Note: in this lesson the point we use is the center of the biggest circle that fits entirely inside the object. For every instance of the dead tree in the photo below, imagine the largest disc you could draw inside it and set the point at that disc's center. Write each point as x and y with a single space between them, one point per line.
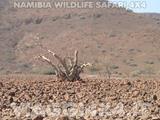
68 67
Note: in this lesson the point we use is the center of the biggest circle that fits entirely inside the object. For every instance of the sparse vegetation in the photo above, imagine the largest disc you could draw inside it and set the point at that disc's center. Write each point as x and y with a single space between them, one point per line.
137 73
123 47
43 70
114 67
108 71
149 70
68 69
8 56
149 62
94 69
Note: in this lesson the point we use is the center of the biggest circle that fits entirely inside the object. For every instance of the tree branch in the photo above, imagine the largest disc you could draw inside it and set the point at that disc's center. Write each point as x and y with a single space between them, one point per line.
48 61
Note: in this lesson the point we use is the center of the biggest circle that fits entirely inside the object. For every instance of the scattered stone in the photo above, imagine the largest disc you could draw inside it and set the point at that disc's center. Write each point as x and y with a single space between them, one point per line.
135 94
44 99
39 118
63 118
155 97
66 97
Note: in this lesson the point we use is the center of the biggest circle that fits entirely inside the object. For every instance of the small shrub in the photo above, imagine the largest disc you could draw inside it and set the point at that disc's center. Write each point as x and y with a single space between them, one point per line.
149 62
94 70
9 56
38 20
43 70
113 67
67 16
137 73
149 70
55 18
109 71
97 15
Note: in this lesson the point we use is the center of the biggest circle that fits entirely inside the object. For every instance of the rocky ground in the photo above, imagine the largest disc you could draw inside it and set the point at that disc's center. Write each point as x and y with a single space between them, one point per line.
45 98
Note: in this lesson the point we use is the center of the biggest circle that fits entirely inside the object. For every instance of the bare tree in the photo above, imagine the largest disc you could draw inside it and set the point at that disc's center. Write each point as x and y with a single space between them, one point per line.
68 67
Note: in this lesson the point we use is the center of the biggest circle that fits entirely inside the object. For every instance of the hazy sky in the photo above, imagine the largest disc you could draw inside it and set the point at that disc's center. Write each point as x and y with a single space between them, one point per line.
151 5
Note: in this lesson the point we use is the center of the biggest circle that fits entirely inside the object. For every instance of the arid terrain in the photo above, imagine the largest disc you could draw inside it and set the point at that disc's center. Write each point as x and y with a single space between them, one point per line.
115 41
127 42
44 98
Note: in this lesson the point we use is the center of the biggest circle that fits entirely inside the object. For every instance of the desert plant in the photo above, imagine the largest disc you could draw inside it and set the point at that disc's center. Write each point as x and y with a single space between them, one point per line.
108 71
68 67
47 70
94 69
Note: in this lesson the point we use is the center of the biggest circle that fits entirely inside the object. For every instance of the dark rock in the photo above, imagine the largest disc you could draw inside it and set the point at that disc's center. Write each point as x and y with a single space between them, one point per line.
155 97
39 118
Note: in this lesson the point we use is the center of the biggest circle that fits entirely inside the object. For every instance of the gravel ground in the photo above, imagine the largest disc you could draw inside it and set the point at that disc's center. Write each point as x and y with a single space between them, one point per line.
45 98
